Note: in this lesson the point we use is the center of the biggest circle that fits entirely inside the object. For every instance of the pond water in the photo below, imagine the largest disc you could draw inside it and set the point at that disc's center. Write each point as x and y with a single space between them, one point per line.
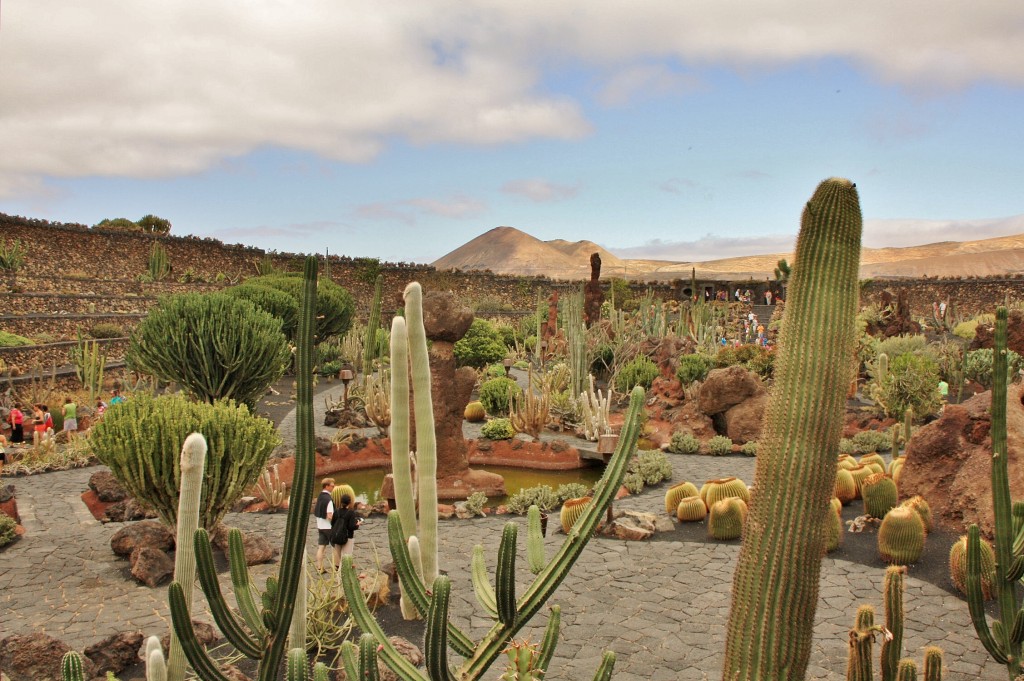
367 482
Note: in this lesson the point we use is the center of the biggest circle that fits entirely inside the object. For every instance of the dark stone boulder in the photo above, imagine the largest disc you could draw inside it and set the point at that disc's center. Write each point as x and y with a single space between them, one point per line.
257 548
725 388
151 566
145 533
36 657
106 487
116 653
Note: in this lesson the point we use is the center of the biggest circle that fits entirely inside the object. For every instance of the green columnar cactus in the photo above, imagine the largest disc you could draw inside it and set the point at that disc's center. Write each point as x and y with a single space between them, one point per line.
691 509
901 536
677 493
512 612
576 340
297 633
879 493
264 642
535 555
71 667
156 665
892 645
89 364
726 518
1003 640
833 530
883 368
894 446
159 266
932 664
906 671
908 424
958 567
370 348
193 462
859 663
775 587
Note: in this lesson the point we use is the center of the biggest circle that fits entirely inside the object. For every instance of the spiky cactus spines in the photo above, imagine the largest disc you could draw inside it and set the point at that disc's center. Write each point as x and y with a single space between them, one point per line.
691 509
860 472
715 490
71 667
156 665
263 640
846 461
775 587
918 503
894 468
571 511
474 412
370 348
1003 640
846 488
677 493
873 457
958 567
879 494
892 644
933 663
833 528
193 462
901 536
859 658
726 517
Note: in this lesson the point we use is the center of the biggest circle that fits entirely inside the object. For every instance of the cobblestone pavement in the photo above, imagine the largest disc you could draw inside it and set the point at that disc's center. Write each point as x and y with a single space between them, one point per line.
660 605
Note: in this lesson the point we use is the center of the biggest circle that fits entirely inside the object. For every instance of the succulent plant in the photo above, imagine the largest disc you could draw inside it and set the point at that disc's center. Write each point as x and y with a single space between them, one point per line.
879 494
833 529
474 412
677 493
901 536
918 503
859 473
848 462
571 511
958 567
726 517
846 488
691 509
873 457
716 490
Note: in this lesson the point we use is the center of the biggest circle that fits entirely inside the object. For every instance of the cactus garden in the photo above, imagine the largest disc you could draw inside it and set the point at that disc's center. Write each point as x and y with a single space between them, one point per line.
768 500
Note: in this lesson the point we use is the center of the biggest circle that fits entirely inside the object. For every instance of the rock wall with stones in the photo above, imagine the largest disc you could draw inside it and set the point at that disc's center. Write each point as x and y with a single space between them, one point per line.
963 297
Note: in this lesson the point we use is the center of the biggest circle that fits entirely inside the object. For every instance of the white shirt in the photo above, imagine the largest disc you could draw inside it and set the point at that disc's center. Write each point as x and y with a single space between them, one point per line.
324 523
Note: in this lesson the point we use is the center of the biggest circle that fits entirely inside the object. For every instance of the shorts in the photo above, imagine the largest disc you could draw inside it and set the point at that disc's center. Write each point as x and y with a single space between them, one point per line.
70 424
323 537
3 457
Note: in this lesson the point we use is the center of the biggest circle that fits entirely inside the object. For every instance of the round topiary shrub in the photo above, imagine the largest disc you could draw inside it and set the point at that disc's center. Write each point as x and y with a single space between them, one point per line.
684 443
719 445
141 442
694 368
638 371
481 345
498 429
495 395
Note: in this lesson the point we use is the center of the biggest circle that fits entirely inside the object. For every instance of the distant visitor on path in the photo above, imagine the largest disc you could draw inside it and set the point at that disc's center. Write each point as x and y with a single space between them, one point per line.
17 419
324 512
70 416
767 297
116 397
343 529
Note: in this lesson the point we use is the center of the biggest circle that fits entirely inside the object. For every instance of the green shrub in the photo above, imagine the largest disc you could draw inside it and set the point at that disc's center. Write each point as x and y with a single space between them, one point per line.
868 441
604 357
140 440
508 335
330 368
475 503
13 340
496 370
494 395
638 371
894 346
481 345
749 448
541 496
966 330
693 368
846 446
498 429
282 305
912 383
571 490
756 358
329 351
7 527
12 256
214 345
684 443
633 482
652 465
719 445
106 330
978 366
335 309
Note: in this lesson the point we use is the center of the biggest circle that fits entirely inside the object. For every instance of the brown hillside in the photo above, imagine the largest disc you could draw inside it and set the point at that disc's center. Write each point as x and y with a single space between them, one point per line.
507 250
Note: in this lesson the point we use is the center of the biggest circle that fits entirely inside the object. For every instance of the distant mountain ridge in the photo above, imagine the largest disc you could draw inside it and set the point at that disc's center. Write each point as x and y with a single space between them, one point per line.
507 250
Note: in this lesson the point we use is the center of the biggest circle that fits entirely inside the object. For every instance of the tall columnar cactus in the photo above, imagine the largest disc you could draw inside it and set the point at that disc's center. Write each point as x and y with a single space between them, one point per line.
908 425
193 463
89 364
158 266
576 340
1003 640
370 346
775 587
882 368
71 667
510 611
595 408
262 634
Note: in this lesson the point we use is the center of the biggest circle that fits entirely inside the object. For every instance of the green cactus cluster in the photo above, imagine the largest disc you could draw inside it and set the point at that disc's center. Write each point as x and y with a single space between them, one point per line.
846 487
677 493
158 267
726 518
714 491
90 362
691 509
370 345
1004 637
860 657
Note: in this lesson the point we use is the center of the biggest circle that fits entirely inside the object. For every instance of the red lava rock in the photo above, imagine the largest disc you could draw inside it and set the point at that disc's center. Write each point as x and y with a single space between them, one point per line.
96 507
10 508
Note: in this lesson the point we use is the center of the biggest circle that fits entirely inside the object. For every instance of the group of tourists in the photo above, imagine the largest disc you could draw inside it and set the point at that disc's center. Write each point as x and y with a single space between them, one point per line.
336 523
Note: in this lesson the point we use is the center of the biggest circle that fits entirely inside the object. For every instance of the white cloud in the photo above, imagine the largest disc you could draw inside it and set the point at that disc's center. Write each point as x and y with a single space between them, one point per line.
708 247
898 233
539 190
407 210
156 89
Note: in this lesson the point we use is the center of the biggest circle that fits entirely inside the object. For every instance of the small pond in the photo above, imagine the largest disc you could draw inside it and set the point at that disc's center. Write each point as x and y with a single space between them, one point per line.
367 482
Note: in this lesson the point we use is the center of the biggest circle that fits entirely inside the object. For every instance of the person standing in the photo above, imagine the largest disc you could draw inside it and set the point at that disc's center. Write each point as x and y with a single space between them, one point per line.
116 397
343 529
70 417
17 424
324 512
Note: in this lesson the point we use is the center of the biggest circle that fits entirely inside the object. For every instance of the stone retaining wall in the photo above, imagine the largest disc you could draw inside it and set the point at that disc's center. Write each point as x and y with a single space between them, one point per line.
66 326
25 358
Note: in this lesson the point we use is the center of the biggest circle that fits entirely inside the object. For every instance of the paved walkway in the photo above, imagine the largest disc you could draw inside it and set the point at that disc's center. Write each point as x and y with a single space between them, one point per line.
660 605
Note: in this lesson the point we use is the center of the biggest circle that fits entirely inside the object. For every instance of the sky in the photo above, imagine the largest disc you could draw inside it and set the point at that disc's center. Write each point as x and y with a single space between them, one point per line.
401 130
